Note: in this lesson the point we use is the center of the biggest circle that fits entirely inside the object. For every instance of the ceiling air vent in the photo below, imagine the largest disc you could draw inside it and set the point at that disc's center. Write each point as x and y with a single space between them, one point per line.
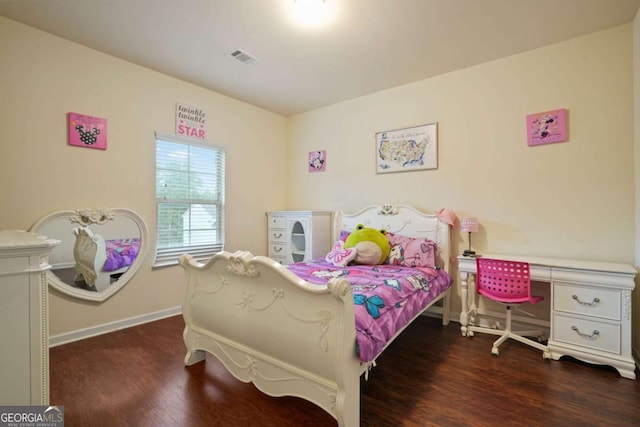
244 57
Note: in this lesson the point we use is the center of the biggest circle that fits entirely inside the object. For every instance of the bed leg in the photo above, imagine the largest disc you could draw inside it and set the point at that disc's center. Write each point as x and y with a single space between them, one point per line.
348 415
347 404
102 282
194 357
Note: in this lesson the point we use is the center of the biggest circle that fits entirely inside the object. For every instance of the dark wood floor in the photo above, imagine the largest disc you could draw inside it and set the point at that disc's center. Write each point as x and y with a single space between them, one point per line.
430 376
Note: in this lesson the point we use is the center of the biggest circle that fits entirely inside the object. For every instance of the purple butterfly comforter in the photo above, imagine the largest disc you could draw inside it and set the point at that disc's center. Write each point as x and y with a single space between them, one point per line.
121 253
386 297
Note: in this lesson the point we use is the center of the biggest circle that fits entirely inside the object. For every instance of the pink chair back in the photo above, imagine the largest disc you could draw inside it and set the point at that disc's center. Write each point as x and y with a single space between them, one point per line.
503 281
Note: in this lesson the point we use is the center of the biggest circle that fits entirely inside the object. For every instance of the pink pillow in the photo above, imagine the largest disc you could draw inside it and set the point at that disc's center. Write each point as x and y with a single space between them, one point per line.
412 252
339 256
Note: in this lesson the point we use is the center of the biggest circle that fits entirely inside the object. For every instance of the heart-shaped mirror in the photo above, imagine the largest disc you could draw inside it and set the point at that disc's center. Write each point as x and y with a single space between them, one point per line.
100 250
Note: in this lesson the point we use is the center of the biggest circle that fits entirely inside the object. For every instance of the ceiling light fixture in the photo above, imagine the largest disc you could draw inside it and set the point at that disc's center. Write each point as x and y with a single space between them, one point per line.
311 13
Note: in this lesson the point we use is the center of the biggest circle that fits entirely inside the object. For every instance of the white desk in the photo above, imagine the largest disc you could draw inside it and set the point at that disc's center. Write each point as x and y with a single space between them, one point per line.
590 307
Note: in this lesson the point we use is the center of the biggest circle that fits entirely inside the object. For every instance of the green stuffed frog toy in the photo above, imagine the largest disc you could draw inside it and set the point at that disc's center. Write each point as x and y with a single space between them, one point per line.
372 245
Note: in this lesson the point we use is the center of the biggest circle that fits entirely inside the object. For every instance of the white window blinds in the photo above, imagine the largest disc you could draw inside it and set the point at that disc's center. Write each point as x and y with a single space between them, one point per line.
190 185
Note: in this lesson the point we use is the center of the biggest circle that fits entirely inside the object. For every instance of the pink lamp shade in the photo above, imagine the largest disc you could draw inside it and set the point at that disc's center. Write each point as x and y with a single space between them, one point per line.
470 225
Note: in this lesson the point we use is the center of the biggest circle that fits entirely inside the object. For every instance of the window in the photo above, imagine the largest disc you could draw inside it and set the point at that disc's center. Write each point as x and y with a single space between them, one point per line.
189 197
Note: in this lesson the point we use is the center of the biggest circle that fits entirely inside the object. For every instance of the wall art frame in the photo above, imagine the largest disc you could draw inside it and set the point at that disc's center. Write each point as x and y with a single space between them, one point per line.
87 131
317 161
191 121
407 149
547 127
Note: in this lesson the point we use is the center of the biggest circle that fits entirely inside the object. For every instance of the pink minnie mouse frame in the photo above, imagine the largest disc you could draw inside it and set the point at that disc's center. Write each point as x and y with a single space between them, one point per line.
87 131
547 127
317 161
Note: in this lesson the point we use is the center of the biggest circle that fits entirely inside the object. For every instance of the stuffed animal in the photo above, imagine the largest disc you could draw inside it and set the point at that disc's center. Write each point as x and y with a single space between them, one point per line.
371 245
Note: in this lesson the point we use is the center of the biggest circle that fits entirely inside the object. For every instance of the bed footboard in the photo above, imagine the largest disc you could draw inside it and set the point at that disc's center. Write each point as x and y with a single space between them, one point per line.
275 330
90 253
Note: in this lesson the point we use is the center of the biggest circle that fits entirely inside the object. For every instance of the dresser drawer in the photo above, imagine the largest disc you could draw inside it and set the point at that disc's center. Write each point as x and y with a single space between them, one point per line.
277 236
277 222
279 259
586 333
591 301
276 250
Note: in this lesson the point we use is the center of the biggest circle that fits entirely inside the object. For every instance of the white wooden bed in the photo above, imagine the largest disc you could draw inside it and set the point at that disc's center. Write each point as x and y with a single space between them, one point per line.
90 253
283 334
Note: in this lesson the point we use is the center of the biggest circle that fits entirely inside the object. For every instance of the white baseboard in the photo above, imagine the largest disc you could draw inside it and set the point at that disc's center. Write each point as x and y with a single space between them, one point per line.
93 331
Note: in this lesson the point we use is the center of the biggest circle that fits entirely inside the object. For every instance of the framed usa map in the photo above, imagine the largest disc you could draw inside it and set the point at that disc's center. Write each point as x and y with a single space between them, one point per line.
408 149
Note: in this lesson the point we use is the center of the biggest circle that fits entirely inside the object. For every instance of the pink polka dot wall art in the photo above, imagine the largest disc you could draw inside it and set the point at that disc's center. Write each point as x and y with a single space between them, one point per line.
87 131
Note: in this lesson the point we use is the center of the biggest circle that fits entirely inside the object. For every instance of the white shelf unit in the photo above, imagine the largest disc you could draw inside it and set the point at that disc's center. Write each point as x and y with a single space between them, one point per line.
296 236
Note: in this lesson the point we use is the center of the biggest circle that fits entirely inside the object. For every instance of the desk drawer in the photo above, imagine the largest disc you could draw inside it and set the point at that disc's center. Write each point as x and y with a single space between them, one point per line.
586 333
277 236
588 301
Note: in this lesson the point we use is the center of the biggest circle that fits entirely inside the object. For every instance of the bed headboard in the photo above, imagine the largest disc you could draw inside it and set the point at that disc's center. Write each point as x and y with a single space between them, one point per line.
399 219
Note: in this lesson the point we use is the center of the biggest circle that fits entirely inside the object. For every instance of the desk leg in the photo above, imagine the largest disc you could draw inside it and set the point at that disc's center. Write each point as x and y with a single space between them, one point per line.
467 316
464 315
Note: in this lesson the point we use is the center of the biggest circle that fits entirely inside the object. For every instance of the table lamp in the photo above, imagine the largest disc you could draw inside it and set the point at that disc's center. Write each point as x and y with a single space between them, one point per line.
470 225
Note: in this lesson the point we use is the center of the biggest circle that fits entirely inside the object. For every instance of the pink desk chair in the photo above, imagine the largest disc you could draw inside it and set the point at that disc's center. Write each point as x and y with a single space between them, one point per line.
509 283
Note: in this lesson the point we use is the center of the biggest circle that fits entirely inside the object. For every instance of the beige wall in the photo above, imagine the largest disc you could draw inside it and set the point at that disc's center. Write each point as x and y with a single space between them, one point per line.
572 199
42 79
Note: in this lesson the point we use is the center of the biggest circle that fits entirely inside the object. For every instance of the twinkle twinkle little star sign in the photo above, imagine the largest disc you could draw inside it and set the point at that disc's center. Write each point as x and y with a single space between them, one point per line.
191 122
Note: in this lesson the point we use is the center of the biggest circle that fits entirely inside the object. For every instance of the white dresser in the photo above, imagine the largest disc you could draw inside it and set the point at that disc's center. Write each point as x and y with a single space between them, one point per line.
295 236
590 315
24 355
